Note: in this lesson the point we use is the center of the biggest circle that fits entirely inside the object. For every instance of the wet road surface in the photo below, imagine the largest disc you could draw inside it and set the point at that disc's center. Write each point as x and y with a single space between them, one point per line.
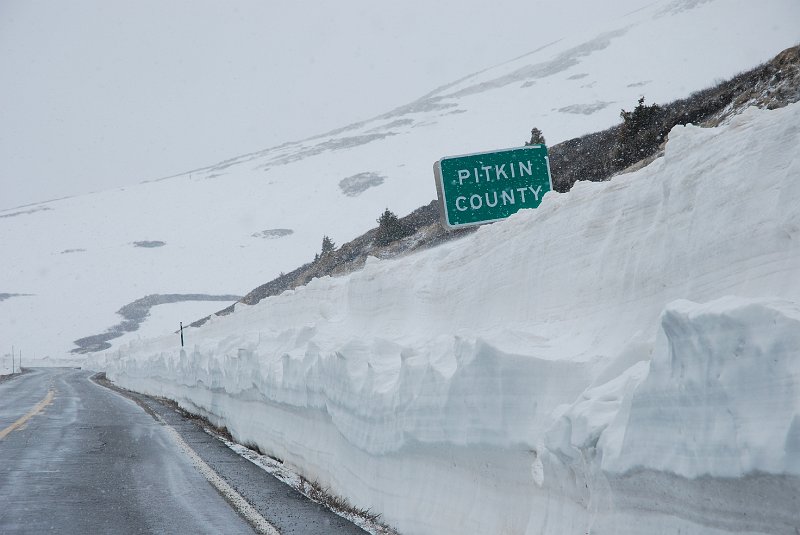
76 457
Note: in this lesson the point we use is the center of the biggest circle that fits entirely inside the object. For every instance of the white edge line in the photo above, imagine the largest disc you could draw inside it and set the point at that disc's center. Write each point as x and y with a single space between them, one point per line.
249 512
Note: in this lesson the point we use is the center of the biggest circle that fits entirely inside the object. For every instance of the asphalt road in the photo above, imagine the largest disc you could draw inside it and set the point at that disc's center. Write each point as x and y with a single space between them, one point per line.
76 457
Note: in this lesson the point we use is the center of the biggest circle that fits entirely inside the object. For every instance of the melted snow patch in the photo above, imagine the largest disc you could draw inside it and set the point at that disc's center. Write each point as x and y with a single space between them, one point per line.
25 212
355 185
273 233
4 296
149 244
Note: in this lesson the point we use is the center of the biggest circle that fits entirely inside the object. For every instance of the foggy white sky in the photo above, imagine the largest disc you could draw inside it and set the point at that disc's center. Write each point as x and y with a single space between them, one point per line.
98 94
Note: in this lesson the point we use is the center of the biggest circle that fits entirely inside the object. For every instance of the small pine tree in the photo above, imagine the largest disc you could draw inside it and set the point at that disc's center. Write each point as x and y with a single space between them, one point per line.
390 228
327 245
537 138
641 133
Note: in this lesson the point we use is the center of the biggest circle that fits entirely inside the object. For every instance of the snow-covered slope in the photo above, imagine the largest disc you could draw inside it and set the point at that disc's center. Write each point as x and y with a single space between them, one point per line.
223 230
621 360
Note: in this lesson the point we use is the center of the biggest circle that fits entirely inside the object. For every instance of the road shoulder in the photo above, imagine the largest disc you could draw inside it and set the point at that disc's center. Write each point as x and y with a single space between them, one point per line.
281 505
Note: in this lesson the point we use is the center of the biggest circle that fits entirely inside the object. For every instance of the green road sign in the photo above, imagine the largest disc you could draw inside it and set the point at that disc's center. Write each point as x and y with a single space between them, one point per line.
484 187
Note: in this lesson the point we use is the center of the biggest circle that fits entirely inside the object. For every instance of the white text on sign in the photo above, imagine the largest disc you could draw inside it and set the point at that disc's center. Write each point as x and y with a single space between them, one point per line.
524 168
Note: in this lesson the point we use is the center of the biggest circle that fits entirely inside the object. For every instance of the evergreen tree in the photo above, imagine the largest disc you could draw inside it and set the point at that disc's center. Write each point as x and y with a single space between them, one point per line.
390 228
537 138
641 133
327 245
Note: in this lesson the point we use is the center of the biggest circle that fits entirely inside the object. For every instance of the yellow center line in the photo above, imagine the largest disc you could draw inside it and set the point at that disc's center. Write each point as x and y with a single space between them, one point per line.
33 412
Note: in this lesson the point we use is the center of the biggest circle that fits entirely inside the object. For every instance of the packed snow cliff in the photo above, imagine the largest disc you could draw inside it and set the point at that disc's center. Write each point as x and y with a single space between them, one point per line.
623 359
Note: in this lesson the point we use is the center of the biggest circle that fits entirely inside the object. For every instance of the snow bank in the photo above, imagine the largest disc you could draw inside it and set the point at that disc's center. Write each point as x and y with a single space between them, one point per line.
725 387
526 378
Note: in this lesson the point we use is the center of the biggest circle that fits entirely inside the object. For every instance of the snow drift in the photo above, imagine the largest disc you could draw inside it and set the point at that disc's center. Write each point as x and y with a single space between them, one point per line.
590 366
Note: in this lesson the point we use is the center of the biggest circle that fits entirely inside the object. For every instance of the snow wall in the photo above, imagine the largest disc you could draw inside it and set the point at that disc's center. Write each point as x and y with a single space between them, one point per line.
625 359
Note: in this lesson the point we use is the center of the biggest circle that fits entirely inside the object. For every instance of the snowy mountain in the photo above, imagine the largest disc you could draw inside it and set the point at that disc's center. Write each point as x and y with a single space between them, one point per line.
166 247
